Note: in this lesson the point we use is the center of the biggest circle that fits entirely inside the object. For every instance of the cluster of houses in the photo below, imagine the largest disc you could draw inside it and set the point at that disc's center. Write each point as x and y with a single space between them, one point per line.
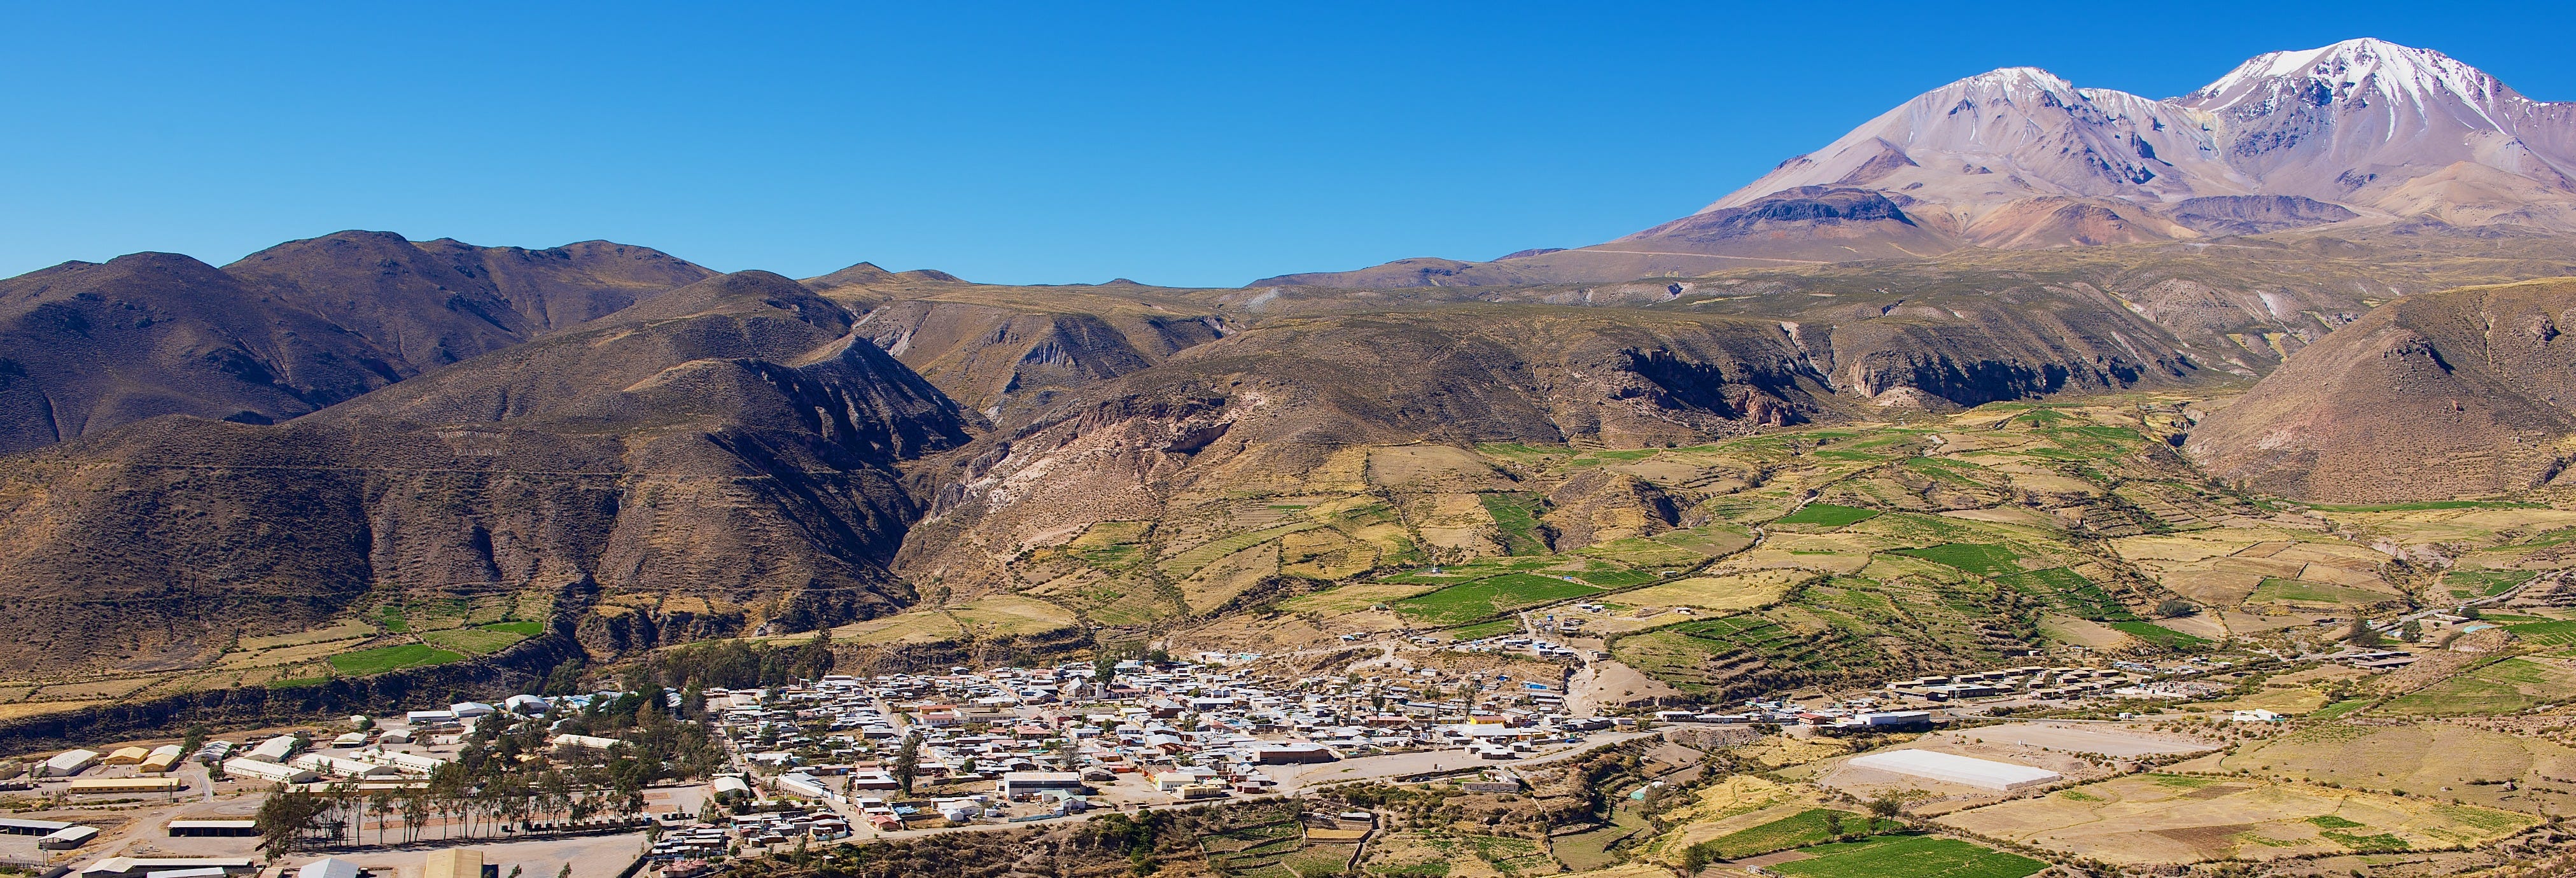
2034 681
1058 736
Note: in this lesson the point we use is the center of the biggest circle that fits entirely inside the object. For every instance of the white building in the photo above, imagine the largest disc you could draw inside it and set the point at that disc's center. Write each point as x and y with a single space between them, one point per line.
587 742
256 769
68 763
334 765
274 749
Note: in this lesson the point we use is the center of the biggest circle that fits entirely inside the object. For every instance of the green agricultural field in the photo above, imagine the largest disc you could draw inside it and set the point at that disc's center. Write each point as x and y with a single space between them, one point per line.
475 641
1516 516
2484 583
2545 633
522 628
1796 830
2160 635
391 658
2510 686
1452 574
2069 592
1909 856
1467 602
1350 598
1828 515
1980 559
1616 578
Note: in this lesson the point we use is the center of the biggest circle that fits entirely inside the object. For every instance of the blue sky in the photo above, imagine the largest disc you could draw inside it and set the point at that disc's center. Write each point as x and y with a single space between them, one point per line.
1183 144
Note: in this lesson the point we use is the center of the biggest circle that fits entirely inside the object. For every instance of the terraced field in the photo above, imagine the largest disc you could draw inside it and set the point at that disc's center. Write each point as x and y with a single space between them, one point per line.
1467 602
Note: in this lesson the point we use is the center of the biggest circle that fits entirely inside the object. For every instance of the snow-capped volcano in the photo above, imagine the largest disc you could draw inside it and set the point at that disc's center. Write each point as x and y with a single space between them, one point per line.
2352 70
2362 132
2379 129
2362 120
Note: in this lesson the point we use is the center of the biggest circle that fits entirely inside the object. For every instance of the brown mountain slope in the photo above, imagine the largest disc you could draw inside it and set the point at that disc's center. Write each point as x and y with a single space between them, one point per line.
1005 351
287 330
716 462
2433 396
86 347
436 302
1280 407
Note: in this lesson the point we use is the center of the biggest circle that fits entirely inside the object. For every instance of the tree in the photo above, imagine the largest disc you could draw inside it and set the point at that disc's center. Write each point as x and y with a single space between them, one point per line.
2361 634
907 762
1885 806
1834 824
2175 608
379 802
284 819
2413 631
1694 859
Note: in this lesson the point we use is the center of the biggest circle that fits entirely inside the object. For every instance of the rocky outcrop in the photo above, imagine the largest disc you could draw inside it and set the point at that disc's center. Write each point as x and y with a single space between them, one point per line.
2468 392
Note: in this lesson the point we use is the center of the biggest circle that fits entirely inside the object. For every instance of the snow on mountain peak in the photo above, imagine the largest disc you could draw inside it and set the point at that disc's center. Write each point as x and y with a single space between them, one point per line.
2365 69
2010 81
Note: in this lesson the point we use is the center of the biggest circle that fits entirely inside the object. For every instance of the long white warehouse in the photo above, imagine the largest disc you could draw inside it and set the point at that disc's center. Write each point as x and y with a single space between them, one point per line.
1949 768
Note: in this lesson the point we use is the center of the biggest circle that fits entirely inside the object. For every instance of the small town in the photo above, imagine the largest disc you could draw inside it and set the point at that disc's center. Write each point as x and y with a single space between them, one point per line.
676 782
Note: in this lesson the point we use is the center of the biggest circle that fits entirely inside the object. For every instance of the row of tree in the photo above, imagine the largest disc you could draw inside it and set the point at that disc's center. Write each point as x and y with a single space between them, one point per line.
504 775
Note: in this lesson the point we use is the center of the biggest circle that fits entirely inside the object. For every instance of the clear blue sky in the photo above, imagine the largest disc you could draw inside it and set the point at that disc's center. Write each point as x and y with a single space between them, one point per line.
1188 144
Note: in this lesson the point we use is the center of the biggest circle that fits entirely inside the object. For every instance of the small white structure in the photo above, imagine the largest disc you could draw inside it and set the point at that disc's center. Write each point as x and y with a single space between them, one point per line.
2257 715
425 718
328 867
584 742
525 705
1288 752
1172 780
471 709
1950 768
67 838
804 786
1014 783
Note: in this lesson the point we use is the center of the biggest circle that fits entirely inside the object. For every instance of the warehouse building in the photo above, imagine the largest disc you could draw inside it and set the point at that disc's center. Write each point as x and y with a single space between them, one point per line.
94 786
138 867
275 749
213 828
68 763
255 769
1017 782
161 760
